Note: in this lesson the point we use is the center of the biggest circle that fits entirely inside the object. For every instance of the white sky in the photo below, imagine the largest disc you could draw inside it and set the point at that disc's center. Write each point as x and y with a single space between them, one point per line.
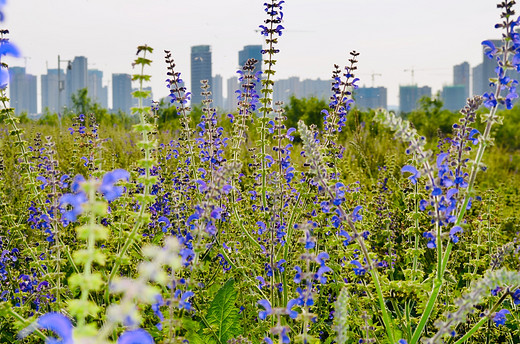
391 35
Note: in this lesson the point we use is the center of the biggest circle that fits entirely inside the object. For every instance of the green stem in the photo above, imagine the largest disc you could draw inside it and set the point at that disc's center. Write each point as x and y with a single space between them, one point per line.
483 320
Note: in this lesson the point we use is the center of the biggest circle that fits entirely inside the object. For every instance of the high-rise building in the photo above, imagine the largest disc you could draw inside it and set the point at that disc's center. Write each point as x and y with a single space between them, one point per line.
252 52
77 77
316 88
285 88
478 80
454 97
122 93
461 77
371 97
218 100
409 96
96 91
22 91
50 93
231 99
200 70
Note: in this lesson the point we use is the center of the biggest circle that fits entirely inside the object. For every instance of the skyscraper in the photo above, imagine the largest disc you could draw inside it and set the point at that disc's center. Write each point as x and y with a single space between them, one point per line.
454 97
122 93
461 77
22 91
478 80
252 52
231 99
218 100
50 93
96 91
200 70
409 96
371 97
77 77
285 88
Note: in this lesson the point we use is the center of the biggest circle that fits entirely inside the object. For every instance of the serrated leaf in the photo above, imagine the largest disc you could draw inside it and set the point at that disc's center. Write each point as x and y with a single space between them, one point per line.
223 314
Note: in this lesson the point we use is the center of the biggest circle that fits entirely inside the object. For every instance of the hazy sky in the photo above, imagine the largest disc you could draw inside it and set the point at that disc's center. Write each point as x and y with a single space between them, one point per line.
391 35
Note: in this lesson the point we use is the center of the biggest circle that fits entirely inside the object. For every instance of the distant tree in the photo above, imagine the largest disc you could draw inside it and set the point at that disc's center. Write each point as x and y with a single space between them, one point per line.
305 109
81 103
429 119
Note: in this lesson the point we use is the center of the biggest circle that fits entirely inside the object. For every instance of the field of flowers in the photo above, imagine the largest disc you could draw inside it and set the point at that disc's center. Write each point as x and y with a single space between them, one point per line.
235 228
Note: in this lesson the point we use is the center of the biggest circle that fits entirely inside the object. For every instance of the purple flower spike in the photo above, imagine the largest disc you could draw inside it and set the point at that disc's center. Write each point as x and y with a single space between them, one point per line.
107 187
138 336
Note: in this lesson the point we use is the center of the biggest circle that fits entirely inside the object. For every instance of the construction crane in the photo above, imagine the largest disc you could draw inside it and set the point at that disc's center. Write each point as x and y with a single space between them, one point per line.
373 75
412 70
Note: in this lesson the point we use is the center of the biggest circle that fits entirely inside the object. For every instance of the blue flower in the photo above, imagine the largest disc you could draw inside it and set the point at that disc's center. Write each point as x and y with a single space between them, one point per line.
108 189
262 228
355 214
500 317
473 140
516 297
360 270
55 322
431 239
138 336
290 305
491 50
453 232
184 302
6 48
268 310
415 174
489 100
283 334
402 341
298 276
75 201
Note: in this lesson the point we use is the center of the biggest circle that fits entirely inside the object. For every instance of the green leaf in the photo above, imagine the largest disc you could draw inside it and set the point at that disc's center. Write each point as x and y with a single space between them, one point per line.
223 314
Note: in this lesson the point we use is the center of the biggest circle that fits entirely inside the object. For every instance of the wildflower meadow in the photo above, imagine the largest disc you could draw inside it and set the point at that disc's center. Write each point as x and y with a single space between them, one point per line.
183 224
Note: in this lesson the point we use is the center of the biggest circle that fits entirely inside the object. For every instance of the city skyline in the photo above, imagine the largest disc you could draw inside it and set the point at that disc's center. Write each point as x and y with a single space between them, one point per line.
391 36
78 76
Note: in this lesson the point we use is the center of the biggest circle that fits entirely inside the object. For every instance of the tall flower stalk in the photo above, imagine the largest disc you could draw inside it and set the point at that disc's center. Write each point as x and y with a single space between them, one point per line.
147 145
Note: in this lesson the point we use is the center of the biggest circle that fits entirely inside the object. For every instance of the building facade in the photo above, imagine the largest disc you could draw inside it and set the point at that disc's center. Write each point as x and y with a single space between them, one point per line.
200 70
22 91
371 97
409 96
461 77
50 91
122 93
77 77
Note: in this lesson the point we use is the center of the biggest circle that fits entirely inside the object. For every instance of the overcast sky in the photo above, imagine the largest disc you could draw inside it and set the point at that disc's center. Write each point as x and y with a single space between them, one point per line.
391 36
